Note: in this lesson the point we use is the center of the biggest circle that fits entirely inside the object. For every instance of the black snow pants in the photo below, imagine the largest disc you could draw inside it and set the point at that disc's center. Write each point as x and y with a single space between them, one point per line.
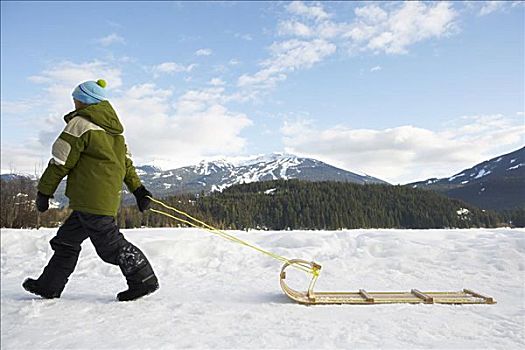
109 244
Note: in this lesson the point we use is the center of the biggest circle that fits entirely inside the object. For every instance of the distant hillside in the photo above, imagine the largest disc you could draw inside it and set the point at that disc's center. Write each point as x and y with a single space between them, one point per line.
12 177
498 183
294 204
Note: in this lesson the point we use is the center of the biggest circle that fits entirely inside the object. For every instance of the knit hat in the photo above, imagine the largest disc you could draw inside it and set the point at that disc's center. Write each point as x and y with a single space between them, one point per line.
90 92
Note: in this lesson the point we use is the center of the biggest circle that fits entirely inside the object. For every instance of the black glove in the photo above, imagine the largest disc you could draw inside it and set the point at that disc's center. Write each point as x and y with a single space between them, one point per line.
42 202
143 202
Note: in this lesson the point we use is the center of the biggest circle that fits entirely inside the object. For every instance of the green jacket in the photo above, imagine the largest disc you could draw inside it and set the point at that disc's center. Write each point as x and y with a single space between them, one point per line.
92 153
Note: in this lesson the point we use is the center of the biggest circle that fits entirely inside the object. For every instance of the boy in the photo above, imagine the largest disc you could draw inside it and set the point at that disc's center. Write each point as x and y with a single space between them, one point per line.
92 153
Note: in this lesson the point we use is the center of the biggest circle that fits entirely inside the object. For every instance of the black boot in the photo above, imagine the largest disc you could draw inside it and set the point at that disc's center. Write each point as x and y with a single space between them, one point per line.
136 291
138 271
32 286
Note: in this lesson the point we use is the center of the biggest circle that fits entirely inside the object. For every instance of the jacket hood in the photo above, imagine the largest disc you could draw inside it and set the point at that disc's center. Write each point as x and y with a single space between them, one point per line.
101 114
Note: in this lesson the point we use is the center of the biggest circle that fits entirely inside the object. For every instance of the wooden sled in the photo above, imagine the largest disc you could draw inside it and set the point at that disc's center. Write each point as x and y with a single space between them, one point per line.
363 297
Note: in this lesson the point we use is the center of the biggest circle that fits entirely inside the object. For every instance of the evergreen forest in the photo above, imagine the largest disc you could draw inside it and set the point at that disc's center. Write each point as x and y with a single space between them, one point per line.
285 205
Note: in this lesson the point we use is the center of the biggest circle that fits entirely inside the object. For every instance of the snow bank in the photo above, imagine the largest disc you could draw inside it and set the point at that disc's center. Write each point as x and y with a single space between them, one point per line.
215 294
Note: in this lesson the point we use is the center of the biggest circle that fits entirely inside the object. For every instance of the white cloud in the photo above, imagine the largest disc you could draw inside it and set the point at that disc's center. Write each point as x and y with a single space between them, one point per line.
199 126
389 28
296 28
69 73
60 81
265 78
216 82
171 68
330 30
203 52
407 153
28 157
234 62
287 56
378 30
19 107
489 7
295 54
194 101
314 11
315 36
111 39
375 69
160 128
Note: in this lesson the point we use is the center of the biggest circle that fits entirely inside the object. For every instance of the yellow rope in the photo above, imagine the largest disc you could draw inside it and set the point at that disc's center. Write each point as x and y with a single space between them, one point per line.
203 225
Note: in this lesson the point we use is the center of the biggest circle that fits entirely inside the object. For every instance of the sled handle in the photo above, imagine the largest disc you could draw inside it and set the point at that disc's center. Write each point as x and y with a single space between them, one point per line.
314 267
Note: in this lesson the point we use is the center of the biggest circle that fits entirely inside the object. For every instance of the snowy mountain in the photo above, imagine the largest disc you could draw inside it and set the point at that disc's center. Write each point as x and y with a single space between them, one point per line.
216 175
498 183
210 176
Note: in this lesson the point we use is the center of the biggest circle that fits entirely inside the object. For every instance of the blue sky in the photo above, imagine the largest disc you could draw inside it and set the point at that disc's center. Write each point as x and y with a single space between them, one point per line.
401 91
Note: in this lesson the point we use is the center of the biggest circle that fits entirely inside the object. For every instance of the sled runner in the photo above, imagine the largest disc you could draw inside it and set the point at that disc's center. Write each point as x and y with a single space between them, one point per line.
313 298
363 297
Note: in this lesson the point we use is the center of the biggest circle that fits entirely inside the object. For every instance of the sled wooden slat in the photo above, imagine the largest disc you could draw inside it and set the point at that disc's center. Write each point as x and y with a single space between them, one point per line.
363 297
489 300
427 298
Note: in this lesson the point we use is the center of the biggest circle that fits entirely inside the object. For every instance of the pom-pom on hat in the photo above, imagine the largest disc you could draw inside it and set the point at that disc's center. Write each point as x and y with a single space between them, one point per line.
90 92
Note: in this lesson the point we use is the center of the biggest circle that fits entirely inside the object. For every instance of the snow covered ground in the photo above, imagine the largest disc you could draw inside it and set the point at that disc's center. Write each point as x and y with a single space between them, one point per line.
216 294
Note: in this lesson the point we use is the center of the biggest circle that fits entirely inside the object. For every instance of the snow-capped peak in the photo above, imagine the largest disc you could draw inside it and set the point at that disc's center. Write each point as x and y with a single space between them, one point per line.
496 183
265 158
220 173
148 169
